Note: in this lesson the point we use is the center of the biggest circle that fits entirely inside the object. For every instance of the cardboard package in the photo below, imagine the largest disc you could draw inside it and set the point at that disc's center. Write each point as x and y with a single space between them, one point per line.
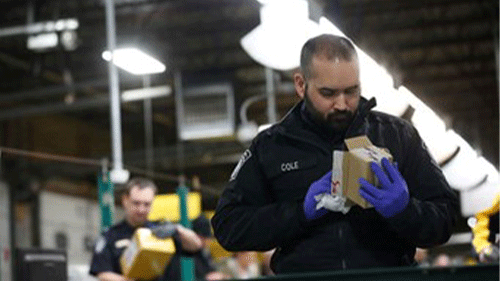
349 166
146 256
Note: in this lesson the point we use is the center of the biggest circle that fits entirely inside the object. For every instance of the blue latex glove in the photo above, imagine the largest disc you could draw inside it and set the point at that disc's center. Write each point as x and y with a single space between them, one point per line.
324 184
392 197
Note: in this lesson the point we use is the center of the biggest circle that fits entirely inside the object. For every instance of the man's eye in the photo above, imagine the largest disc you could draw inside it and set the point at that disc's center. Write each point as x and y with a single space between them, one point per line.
327 93
352 91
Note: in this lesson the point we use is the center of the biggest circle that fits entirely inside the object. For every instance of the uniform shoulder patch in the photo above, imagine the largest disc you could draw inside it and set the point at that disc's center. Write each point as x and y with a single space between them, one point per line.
244 158
100 244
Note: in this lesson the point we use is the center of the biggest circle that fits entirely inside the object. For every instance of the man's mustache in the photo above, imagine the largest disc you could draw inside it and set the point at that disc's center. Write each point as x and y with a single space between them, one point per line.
340 115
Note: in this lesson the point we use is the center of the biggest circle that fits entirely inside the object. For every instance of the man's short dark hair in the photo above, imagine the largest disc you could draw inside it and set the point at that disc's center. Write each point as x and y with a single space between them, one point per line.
330 46
140 183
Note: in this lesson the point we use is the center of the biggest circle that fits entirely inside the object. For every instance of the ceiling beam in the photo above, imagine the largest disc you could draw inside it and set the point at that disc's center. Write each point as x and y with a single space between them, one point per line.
46 92
467 78
399 23
438 42
443 60
351 8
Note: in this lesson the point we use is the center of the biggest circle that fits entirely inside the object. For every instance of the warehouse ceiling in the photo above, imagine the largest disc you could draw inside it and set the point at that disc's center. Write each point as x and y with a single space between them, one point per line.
442 50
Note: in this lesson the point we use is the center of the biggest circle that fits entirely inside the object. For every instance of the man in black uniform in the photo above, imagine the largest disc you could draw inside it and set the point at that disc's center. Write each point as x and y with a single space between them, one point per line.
271 198
137 200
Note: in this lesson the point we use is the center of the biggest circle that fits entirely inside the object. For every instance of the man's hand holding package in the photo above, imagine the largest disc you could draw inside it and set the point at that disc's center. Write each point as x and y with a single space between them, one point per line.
165 230
392 197
189 239
323 185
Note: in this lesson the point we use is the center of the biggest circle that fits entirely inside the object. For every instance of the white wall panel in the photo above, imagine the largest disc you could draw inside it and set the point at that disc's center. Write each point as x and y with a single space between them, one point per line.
5 251
76 217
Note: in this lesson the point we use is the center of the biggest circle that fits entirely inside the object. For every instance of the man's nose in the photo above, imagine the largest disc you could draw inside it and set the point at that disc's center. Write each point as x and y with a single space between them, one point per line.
143 209
340 102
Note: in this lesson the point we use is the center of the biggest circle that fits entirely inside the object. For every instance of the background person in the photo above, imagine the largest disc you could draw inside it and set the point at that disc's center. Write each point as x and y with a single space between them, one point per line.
137 199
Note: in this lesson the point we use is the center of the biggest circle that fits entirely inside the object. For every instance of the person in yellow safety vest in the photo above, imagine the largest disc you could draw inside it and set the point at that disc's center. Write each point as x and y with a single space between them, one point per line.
485 231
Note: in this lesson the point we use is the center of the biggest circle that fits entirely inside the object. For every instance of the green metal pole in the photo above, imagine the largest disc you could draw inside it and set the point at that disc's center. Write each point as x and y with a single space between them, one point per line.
106 200
187 264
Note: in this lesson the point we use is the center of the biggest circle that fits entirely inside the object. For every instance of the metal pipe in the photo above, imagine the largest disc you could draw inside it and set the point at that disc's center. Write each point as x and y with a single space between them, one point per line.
5 234
187 263
179 114
246 104
496 36
179 105
114 88
43 93
148 127
12 234
271 96
83 104
30 17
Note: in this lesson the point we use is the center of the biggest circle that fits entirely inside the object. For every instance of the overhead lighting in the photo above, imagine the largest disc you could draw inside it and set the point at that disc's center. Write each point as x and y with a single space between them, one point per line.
66 24
51 26
146 93
466 169
134 61
42 41
69 40
277 41
247 131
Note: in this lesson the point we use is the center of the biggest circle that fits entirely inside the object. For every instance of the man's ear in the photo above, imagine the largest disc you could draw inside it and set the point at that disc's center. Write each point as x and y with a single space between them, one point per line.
300 84
124 199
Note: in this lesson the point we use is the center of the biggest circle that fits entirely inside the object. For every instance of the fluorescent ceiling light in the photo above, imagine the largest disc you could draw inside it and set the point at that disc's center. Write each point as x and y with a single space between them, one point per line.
247 131
134 61
42 41
264 2
328 27
277 41
490 170
146 93
477 199
50 26
69 24
466 169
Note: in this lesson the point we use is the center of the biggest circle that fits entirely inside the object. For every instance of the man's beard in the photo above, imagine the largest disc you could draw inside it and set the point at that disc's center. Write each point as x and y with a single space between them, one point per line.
336 121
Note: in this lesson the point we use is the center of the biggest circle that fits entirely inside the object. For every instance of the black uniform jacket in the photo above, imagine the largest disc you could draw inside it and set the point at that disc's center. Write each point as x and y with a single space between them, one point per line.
262 205
203 264
110 246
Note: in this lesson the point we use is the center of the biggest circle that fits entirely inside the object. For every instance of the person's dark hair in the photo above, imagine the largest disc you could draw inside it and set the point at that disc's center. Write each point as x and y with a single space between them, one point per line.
140 183
328 45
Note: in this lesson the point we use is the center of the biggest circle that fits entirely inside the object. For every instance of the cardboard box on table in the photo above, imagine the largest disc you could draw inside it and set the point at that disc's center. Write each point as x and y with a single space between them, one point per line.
146 256
349 166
